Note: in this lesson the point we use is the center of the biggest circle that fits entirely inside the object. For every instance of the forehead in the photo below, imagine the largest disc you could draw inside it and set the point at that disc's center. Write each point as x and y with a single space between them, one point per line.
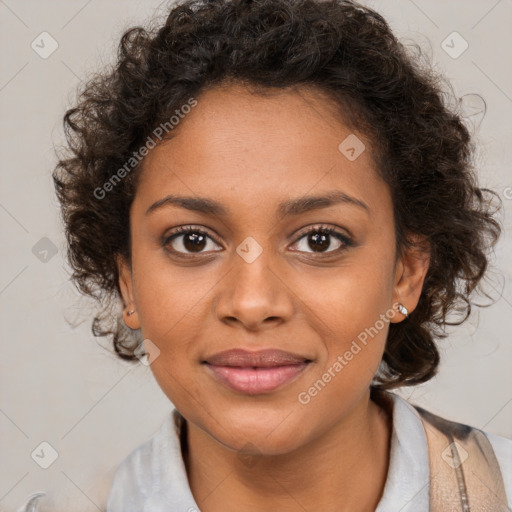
240 147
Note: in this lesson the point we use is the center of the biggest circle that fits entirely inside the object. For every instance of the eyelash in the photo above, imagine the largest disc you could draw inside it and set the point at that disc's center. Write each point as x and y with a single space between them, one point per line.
321 229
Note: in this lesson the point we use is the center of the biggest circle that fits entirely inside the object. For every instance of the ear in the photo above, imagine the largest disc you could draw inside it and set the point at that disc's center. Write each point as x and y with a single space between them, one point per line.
126 286
411 269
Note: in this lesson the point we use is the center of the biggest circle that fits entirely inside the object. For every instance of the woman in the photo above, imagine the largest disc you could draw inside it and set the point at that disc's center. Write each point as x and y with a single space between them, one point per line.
285 209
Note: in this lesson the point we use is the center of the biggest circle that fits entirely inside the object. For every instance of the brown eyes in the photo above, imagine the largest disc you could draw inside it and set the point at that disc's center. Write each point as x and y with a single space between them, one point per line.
319 239
189 240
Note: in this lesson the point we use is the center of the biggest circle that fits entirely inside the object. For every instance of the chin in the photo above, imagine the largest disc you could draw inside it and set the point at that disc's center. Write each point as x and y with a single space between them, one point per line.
262 445
264 432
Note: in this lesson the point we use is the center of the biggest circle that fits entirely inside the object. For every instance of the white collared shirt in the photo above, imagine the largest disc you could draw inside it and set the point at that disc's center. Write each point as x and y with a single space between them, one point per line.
153 477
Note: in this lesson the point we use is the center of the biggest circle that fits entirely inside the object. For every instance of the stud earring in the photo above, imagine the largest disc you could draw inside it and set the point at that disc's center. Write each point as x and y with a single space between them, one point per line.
403 310
131 312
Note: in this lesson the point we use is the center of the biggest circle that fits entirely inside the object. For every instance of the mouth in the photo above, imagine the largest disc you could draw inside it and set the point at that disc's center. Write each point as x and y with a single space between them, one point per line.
254 373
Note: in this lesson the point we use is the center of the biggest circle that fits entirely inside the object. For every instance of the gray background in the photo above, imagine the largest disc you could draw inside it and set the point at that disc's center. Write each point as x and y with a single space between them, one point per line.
57 384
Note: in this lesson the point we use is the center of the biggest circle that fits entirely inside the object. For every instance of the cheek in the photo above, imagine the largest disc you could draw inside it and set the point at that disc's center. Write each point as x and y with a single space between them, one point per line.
352 312
351 297
352 320
176 367
170 304
168 296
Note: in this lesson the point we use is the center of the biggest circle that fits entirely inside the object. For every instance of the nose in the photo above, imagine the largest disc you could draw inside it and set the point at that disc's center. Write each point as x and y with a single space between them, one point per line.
254 294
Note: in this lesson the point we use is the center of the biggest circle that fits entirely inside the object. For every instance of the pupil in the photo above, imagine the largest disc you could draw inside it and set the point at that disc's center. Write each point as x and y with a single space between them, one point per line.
319 240
194 242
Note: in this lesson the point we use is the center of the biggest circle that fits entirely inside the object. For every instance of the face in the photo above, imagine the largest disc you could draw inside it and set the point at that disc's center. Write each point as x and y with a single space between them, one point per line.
259 266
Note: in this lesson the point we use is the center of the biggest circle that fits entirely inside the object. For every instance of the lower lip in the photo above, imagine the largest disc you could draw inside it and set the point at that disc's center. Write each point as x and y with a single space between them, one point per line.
254 381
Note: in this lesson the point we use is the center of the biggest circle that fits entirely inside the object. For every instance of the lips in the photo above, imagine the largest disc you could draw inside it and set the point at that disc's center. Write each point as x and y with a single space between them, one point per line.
255 373
261 359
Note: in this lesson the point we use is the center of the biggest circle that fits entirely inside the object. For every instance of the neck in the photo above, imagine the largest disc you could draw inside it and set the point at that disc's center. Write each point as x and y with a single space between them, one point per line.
328 474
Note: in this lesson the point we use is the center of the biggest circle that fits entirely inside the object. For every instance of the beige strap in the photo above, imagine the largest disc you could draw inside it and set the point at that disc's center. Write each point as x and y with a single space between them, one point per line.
464 473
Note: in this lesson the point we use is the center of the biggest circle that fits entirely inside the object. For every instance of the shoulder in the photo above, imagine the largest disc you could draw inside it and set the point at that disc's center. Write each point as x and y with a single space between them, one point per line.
135 477
416 445
132 481
502 447
485 450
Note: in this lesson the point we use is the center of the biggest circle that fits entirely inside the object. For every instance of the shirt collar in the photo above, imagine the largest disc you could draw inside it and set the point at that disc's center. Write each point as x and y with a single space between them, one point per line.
408 482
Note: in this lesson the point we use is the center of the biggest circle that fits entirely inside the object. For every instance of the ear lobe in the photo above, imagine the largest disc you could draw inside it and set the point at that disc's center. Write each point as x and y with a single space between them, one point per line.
411 270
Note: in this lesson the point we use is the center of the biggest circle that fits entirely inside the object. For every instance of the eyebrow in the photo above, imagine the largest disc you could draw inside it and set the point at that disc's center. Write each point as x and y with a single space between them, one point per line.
285 209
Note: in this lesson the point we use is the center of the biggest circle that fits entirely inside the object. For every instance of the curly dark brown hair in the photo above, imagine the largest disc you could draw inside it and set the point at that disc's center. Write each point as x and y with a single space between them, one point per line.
422 147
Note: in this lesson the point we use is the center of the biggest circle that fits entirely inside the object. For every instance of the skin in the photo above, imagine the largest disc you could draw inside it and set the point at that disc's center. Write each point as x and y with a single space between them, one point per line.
250 153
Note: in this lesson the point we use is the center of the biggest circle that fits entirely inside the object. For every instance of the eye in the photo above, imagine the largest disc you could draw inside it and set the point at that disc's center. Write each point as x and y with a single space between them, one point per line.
321 238
189 240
